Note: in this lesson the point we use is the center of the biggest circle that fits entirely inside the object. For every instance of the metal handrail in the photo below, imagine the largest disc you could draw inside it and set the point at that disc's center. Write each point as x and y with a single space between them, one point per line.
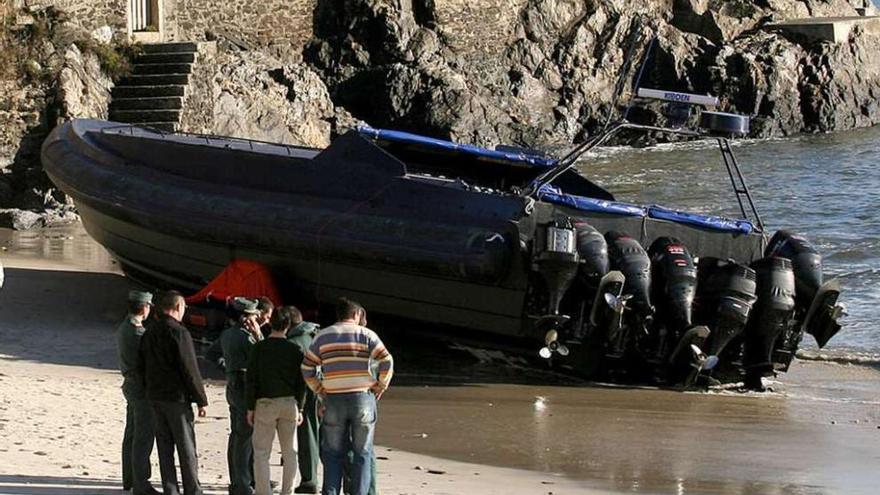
206 137
570 159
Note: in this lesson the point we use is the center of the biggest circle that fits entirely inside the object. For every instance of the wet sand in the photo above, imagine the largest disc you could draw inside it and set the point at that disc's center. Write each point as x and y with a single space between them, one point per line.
472 420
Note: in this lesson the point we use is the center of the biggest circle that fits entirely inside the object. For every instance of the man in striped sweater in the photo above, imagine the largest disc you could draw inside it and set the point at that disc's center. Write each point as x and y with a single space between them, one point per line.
346 386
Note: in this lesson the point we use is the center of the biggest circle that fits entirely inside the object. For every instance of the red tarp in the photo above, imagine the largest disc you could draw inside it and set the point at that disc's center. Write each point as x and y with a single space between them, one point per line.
240 278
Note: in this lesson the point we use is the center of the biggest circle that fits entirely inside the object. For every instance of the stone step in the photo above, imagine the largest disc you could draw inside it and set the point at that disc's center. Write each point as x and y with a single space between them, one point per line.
162 126
154 79
161 68
148 91
139 116
166 58
152 103
181 47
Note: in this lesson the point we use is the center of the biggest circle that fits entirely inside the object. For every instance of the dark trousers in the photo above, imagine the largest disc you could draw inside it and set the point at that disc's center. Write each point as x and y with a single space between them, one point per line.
307 438
174 428
137 444
240 448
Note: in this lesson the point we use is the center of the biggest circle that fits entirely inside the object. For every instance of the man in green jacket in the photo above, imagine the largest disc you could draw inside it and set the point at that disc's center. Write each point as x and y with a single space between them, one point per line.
236 342
139 436
301 334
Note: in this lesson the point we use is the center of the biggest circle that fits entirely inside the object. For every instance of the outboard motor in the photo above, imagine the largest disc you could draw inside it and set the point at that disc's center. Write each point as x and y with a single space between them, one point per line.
773 314
556 260
593 252
674 284
724 300
627 256
813 299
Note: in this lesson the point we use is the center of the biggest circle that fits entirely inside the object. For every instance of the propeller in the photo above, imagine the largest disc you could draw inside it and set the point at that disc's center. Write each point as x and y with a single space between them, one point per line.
617 303
703 361
551 339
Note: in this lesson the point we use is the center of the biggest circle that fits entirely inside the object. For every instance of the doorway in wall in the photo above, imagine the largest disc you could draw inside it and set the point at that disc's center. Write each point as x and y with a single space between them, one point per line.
145 19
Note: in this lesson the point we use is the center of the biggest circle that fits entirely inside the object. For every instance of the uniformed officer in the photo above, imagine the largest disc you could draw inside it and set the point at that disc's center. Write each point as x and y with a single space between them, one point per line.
236 342
137 442
301 334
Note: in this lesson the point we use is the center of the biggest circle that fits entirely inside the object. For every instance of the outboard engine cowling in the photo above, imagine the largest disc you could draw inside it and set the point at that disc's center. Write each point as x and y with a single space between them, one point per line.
771 316
593 252
817 308
805 260
627 256
674 281
673 287
725 296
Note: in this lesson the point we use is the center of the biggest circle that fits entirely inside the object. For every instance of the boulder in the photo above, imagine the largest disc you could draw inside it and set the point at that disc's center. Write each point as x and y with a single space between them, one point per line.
259 97
83 89
16 219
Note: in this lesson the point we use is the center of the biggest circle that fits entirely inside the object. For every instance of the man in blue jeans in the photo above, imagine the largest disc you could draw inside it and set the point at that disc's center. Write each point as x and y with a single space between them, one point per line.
348 390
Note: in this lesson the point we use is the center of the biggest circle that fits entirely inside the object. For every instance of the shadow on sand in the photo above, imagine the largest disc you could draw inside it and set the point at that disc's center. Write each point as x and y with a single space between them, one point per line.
41 308
61 485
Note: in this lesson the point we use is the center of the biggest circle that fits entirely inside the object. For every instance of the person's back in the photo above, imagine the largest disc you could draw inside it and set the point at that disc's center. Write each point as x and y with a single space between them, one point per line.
161 347
345 352
274 396
167 363
274 371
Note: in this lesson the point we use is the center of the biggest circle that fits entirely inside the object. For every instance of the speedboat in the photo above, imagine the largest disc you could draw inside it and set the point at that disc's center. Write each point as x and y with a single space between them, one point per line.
509 242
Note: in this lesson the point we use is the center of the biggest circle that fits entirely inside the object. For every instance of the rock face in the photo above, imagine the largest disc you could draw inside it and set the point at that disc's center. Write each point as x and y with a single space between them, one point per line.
83 89
257 96
59 82
545 70
528 72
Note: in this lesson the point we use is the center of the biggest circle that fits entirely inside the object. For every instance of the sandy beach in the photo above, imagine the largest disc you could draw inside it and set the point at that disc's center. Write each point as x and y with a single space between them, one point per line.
467 420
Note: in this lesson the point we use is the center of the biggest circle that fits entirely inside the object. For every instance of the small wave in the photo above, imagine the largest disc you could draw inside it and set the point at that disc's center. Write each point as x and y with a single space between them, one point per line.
832 400
841 357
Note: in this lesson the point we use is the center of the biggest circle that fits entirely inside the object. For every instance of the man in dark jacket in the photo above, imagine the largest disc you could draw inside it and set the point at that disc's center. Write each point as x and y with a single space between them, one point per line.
137 442
171 378
301 334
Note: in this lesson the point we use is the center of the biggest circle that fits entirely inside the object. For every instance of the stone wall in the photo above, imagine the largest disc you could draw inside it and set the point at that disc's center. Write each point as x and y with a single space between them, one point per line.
483 27
88 14
284 25
198 105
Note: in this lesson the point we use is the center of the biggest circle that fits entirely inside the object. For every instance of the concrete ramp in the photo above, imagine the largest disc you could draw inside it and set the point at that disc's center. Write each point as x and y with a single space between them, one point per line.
833 29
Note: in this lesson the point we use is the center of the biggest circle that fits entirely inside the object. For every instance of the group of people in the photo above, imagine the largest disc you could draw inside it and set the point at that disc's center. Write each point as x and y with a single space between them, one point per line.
316 389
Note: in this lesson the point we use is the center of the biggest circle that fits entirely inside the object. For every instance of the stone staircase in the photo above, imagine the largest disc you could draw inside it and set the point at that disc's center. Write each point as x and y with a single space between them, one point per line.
153 95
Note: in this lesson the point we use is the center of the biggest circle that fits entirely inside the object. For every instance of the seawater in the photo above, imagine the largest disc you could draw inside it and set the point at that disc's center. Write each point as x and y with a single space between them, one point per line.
825 187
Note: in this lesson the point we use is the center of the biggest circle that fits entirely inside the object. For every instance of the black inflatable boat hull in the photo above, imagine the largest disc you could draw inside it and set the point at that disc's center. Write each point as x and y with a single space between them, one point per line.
348 220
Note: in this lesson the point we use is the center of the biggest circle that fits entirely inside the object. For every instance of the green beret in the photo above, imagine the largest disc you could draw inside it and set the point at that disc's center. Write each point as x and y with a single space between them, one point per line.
245 305
140 297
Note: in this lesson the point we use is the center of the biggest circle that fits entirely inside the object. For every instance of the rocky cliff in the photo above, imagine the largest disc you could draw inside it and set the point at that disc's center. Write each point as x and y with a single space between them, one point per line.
528 72
45 78
543 71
